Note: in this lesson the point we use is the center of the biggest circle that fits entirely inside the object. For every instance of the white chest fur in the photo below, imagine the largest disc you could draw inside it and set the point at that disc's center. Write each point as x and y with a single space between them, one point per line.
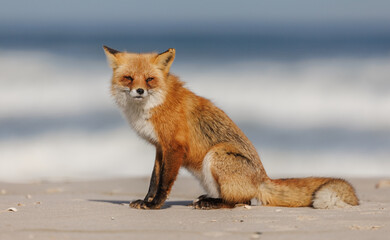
139 112
139 119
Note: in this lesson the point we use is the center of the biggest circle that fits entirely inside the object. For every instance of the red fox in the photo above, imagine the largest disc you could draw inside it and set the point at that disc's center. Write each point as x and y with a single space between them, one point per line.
189 131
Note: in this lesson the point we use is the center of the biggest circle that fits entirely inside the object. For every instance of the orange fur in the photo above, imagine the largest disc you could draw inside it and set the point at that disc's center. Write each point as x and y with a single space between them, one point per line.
189 131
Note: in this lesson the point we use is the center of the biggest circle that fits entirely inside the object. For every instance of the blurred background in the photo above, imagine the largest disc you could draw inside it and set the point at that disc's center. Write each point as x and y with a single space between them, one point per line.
308 82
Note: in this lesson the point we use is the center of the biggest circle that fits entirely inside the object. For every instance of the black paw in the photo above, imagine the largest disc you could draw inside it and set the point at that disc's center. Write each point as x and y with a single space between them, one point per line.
141 204
205 203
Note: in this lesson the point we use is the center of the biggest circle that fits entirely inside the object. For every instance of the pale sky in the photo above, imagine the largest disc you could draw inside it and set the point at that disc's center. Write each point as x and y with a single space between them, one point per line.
73 12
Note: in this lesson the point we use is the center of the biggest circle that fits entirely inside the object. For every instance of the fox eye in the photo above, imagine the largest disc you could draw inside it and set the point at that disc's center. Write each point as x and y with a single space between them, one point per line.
149 79
128 78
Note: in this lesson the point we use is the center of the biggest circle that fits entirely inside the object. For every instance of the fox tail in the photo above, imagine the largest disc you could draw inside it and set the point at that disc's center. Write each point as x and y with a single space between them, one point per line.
305 192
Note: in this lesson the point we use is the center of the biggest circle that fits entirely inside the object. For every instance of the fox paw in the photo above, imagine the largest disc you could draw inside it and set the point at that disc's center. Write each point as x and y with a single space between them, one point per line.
141 204
206 203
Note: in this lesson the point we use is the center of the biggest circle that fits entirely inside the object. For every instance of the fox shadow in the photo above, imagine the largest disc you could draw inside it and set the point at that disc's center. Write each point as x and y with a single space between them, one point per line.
167 204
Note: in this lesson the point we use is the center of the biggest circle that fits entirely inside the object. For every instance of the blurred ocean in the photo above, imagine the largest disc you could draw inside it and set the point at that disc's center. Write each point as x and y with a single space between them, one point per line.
313 102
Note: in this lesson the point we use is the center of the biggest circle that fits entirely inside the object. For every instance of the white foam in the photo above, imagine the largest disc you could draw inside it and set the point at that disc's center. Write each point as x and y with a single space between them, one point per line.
37 84
338 92
350 93
76 154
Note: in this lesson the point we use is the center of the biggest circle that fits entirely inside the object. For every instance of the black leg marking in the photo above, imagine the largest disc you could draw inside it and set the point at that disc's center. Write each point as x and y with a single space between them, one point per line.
155 179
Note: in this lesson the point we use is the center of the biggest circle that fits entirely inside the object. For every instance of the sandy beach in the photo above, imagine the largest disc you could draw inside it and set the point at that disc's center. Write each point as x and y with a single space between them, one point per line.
99 210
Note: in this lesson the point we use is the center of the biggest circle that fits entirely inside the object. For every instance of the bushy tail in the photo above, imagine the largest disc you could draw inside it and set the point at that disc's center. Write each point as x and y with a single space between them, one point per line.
304 192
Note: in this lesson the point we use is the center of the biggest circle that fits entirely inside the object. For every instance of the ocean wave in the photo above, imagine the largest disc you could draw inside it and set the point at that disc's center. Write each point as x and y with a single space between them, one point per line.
323 116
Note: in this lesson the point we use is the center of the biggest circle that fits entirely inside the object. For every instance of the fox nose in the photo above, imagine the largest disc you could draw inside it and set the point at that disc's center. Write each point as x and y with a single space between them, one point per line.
140 91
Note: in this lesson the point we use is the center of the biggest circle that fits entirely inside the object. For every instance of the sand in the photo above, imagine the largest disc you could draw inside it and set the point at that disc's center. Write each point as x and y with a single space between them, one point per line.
99 210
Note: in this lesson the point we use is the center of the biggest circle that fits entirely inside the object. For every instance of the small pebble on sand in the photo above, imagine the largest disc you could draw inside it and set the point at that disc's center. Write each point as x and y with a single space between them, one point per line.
12 209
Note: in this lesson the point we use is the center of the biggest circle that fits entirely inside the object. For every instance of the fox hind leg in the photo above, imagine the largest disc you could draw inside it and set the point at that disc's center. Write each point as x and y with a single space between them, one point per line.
229 178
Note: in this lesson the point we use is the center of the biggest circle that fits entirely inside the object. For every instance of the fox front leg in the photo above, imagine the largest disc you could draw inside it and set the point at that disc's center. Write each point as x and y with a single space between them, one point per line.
155 179
170 166
154 182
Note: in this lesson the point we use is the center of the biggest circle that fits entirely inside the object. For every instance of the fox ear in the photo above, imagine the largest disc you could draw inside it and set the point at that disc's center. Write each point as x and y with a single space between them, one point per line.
111 56
164 60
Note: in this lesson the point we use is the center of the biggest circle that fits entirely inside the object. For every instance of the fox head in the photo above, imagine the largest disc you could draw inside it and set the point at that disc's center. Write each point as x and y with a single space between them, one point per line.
139 78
